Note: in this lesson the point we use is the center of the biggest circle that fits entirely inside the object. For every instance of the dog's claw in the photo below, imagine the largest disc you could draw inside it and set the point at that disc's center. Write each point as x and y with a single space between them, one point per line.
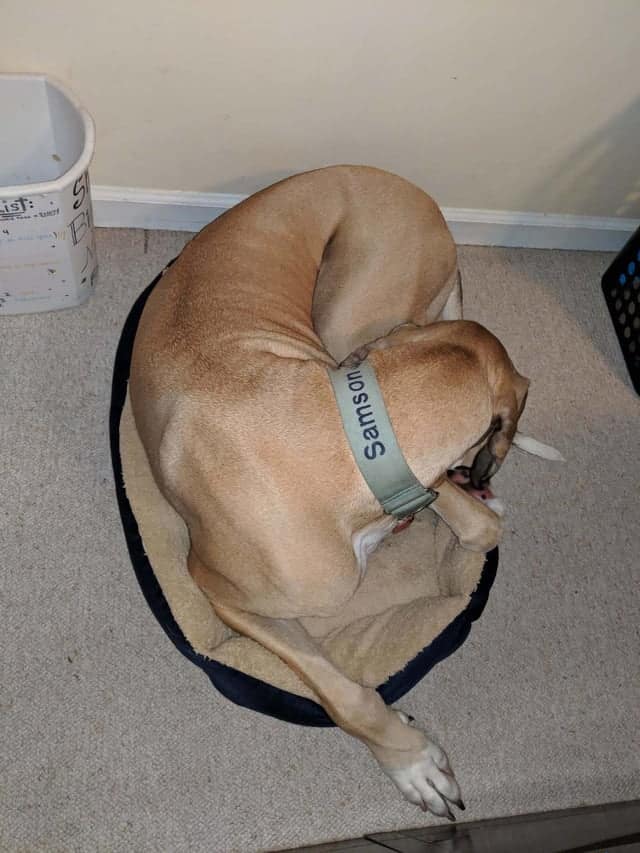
461 805
428 781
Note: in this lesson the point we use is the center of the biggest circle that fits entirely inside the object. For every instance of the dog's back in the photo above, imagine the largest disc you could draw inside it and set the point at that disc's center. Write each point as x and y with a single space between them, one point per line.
322 262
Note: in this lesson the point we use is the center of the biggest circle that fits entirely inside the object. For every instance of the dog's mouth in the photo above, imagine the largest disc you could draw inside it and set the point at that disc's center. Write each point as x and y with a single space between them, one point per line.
461 476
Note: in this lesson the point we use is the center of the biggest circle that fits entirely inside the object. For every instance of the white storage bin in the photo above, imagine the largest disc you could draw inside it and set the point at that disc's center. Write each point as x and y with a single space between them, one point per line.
47 244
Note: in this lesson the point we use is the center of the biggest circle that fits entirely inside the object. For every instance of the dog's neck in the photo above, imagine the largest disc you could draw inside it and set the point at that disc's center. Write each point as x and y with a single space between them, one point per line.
374 444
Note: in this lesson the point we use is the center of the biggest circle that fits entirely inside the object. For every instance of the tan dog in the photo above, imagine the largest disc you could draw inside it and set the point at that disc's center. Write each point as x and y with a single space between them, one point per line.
233 403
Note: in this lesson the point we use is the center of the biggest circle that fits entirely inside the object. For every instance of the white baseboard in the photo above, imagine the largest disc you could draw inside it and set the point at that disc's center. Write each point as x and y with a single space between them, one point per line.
131 207
539 230
163 210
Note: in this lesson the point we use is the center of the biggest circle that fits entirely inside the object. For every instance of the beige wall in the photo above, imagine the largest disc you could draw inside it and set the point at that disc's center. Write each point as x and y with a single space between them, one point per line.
503 104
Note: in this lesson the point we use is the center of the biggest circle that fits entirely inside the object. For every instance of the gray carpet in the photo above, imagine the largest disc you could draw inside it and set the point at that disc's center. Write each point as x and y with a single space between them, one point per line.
111 741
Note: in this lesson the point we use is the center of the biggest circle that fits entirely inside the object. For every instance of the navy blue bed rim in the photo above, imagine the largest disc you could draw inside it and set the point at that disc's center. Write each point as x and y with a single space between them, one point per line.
235 685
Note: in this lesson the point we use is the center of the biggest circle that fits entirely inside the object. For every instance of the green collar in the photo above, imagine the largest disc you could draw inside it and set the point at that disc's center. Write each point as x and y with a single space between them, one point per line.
374 444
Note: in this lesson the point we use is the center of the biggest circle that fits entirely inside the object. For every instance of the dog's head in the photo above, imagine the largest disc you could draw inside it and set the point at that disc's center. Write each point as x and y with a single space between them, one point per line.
464 371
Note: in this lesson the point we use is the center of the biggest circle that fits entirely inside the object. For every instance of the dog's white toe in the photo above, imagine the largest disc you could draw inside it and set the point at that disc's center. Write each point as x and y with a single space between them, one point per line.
429 782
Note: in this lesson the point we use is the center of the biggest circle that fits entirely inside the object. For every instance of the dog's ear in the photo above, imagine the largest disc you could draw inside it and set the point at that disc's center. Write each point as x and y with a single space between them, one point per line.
509 403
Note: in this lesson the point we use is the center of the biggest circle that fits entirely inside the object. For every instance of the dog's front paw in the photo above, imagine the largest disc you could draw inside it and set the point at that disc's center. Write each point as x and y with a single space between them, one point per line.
428 781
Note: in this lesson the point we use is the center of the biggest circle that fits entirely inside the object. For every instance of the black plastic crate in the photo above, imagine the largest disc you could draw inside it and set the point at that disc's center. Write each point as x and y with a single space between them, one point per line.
621 288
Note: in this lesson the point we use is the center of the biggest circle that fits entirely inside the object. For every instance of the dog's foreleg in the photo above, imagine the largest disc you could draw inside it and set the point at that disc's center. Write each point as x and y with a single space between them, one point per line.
475 525
419 767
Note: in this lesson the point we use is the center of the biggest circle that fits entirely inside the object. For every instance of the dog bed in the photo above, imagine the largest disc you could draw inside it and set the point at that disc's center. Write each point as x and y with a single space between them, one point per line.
416 605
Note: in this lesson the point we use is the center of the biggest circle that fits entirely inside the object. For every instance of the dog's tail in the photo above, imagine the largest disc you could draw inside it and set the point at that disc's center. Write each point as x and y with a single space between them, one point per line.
537 448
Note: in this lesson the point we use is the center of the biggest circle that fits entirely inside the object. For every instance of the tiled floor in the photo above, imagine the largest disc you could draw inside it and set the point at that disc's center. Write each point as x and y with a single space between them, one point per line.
596 829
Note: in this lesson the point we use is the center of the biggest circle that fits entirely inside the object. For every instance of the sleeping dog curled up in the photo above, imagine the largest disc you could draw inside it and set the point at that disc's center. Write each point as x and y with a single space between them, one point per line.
337 277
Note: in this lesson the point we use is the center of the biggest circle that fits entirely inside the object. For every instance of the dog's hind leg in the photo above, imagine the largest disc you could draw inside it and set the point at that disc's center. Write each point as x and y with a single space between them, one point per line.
451 310
419 767
453 306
